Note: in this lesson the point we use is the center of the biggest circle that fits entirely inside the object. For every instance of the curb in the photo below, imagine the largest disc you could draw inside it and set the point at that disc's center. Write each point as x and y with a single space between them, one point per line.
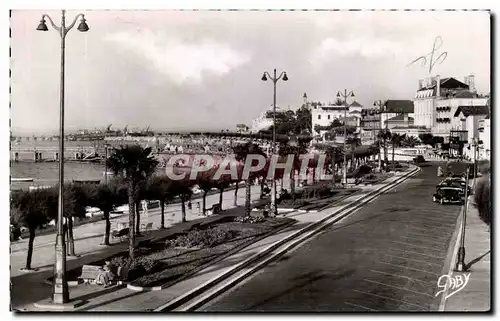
210 283
451 258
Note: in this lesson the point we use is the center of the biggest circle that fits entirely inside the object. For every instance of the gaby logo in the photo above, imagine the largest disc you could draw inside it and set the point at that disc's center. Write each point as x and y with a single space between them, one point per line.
452 283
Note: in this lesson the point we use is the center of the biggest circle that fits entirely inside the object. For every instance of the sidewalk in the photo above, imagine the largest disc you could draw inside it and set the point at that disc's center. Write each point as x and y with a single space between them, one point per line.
123 299
476 295
89 236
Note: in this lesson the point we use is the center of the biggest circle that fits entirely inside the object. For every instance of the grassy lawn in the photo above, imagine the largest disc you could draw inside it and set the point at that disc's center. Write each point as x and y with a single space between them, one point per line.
173 263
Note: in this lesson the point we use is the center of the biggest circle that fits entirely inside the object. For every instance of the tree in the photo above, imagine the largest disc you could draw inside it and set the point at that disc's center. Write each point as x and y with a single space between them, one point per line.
134 164
303 120
206 183
334 155
105 197
482 199
236 180
140 194
160 188
410 141
383 136
437 140
286 149
426 139
32 209
241 152
396 140
339 102
75 200
182 188
221 183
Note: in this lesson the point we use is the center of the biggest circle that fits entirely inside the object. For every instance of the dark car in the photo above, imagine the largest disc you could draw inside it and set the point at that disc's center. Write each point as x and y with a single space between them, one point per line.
419 159
448 195
459 181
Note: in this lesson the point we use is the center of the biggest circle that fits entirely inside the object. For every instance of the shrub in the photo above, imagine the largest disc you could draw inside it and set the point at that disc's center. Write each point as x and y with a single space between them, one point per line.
249 219
202 238
482 198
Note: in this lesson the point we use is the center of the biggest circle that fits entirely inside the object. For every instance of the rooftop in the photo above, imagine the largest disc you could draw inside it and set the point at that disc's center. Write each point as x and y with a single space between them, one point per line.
400 117
398 106
355 104
449 83
472 110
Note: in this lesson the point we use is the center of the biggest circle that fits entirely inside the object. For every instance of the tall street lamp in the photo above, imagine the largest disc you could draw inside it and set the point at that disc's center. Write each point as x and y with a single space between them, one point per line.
60 291
274 78
460 265
381 106
344 95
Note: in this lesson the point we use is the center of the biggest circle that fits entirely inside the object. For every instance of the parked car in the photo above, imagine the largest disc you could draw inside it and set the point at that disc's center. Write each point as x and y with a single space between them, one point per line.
419 159
448 194
459 181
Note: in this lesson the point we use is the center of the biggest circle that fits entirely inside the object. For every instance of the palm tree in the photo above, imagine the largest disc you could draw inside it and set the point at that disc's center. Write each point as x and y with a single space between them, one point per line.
32 209
104 197
396 140
134 164
206 183
221 184
75 200
334 154
140 194
353 142
241 152
160 188
182 188
383 136
410 141
296 150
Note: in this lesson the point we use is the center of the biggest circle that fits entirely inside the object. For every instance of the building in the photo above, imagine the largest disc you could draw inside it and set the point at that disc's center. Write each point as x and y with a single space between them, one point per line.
467 120
265 119
410 130
324 114
437 100
242 128
484 150
393 113
393 108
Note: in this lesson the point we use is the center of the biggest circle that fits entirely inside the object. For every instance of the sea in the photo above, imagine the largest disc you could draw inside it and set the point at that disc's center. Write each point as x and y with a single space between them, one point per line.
47 173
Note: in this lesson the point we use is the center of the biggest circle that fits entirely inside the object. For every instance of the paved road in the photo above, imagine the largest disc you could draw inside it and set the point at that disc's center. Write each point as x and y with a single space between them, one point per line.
387 256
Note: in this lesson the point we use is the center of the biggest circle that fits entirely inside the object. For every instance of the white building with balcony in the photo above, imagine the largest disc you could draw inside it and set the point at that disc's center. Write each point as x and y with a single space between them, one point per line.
484 151
324 114
469 119
437 100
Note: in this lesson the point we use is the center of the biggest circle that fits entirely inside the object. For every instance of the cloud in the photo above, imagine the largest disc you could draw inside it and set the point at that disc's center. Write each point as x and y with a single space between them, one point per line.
181 61
359 46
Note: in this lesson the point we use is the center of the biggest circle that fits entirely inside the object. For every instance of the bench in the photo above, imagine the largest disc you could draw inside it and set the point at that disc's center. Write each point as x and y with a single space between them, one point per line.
147 227
90 273
215 209
120 234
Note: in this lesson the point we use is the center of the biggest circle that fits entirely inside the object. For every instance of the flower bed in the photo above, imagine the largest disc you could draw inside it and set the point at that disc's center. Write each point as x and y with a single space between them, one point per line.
167 262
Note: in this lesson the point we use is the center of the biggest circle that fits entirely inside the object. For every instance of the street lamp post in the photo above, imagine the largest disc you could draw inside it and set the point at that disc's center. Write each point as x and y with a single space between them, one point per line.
106 163
380 106
344 95
275 79
60 293
461 266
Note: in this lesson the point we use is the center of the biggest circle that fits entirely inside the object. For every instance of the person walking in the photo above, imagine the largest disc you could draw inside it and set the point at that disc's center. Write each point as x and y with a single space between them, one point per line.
145 207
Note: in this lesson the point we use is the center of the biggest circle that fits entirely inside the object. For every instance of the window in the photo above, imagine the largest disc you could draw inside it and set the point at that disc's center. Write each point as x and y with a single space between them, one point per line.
319 116
328 116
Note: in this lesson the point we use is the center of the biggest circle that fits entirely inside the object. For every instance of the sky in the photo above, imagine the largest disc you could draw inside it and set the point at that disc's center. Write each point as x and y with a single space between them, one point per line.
201 70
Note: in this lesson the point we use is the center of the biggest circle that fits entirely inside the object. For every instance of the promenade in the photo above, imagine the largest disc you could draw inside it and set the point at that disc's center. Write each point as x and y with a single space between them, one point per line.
476 294
123 299
89 236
